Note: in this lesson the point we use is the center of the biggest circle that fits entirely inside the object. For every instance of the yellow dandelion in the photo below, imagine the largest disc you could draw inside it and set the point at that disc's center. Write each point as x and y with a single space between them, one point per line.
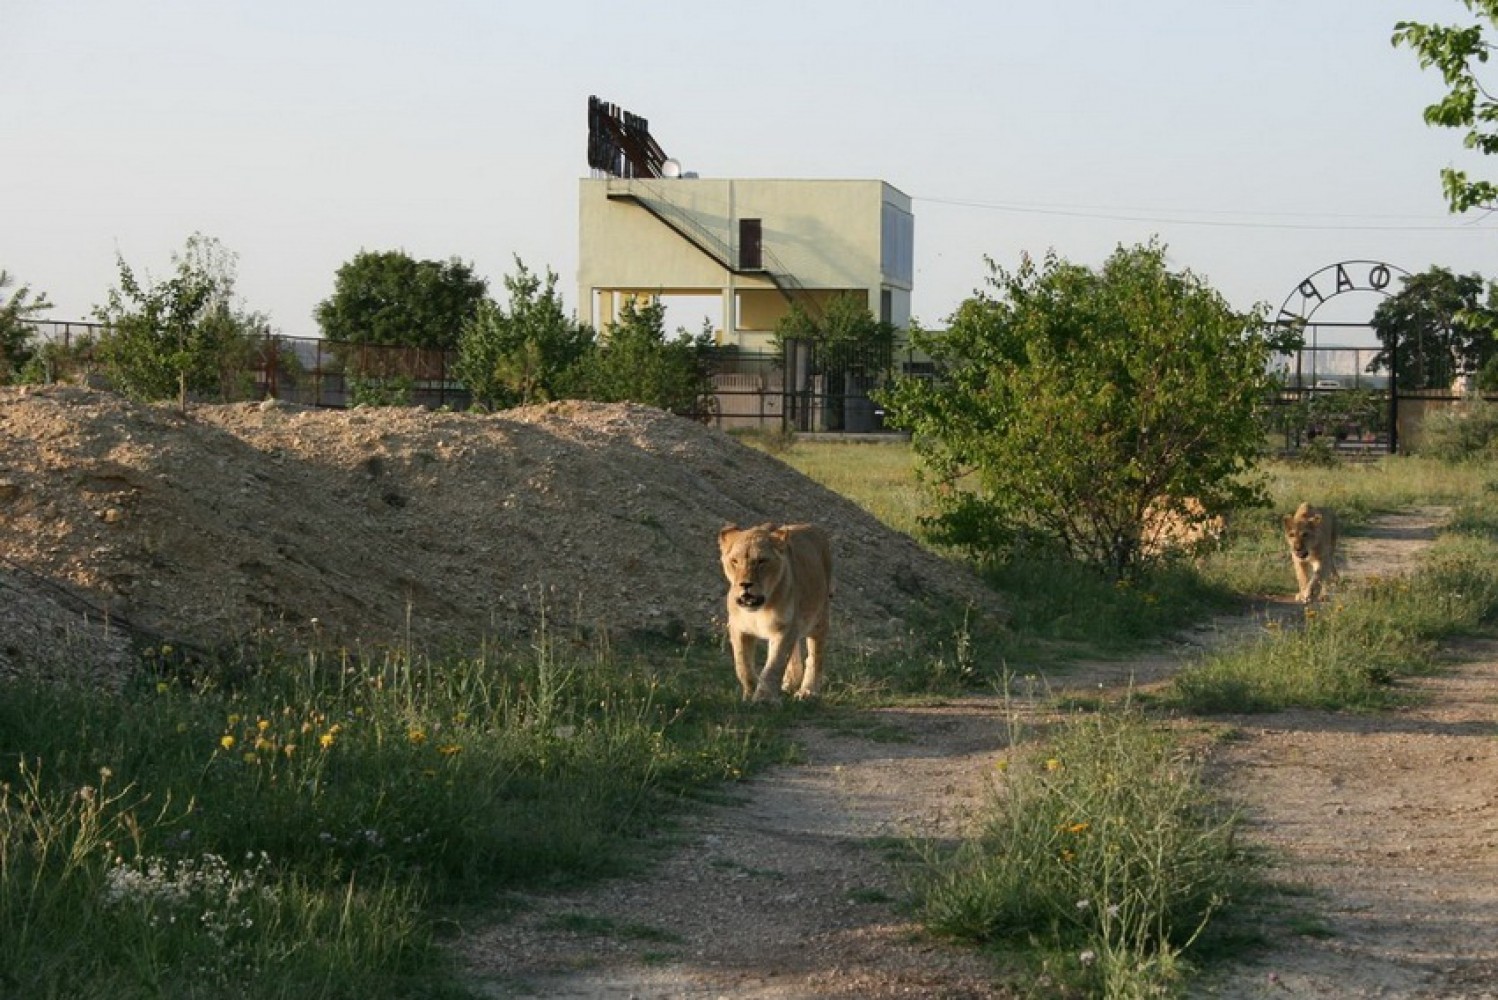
450 749
327 739
416 736
263 725
162 687
1053 764
226 741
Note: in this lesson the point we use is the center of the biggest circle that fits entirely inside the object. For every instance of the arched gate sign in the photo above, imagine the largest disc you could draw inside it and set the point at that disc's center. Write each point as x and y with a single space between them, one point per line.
1336 279
1320 287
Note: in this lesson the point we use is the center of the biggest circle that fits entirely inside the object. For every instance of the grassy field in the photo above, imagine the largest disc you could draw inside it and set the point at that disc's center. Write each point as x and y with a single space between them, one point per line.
303 829
308 827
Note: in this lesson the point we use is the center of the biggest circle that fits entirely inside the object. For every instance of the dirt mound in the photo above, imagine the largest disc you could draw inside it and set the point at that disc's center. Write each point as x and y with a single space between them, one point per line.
382 526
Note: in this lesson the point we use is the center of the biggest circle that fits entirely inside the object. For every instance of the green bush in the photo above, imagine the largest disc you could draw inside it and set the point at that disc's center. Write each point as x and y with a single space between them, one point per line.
379 390
1070 401
1465 432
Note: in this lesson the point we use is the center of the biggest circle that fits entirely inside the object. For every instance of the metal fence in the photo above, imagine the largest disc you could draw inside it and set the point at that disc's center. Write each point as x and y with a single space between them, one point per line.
1341 399
316 372
1330 394
825 391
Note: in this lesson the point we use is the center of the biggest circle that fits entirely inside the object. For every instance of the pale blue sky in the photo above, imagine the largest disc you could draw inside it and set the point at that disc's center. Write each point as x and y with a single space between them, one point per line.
1261 139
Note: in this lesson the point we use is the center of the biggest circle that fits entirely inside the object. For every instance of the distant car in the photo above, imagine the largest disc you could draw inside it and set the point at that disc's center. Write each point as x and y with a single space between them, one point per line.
1327 383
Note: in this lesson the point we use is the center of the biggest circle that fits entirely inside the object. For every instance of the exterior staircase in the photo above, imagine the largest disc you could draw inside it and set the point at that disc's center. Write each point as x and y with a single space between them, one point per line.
655 199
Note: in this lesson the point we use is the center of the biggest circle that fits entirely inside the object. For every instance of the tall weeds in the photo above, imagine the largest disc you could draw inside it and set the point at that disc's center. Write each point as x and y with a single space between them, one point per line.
1103 849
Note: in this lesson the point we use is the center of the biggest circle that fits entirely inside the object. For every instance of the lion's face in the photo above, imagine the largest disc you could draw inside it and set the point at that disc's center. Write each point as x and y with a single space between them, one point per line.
754 562
1303 533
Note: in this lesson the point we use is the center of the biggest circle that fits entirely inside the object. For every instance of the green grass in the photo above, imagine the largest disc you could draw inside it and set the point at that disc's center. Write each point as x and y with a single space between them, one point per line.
1354 649
880 477
303 831
1103 857
1254 559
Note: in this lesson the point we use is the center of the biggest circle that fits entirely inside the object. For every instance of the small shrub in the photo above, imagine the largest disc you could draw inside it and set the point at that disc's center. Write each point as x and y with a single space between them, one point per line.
1462 433
1317 453
379 390
1105 840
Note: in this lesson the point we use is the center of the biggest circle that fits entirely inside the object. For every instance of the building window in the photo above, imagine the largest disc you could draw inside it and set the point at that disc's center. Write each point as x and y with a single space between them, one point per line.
751 245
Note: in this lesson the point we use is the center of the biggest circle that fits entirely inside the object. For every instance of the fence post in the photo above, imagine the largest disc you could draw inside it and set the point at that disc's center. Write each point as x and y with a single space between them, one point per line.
1393 395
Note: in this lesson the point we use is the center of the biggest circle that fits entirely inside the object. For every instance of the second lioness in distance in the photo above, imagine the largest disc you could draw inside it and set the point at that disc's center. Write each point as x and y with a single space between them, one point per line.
779 582
1312 535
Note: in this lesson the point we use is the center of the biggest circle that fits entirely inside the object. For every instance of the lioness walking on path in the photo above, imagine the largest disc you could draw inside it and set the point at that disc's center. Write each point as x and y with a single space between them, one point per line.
779 582
1312 535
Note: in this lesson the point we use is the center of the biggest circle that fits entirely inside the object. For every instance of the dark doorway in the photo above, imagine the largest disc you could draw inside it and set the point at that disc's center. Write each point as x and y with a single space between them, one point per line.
751 245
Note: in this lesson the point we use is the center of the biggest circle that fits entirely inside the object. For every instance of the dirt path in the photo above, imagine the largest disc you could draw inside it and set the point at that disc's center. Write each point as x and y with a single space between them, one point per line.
1390 822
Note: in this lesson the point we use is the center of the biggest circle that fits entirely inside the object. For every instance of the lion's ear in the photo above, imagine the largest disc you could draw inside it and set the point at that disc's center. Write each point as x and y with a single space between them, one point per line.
782 535
724 532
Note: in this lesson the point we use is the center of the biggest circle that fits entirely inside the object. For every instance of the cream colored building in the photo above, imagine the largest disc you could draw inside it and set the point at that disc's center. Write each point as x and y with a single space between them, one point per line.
757 244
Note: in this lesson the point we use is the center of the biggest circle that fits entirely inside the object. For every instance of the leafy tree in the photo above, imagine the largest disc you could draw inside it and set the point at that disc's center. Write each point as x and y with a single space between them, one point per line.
1073 401
181 335
845 332
1457 51
636 363
1441 325
524 353
851 349
395 300
18 311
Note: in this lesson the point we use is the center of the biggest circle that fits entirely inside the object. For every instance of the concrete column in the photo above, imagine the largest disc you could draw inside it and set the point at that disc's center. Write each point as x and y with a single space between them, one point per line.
585 305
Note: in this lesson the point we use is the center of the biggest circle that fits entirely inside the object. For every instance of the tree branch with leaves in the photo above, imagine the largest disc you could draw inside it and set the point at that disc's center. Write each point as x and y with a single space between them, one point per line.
1458 53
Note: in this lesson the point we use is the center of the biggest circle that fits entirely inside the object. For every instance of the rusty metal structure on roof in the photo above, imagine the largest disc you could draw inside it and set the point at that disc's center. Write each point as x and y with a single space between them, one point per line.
620 143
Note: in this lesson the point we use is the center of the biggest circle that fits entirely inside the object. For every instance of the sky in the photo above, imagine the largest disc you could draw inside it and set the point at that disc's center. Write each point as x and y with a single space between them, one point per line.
1259 140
